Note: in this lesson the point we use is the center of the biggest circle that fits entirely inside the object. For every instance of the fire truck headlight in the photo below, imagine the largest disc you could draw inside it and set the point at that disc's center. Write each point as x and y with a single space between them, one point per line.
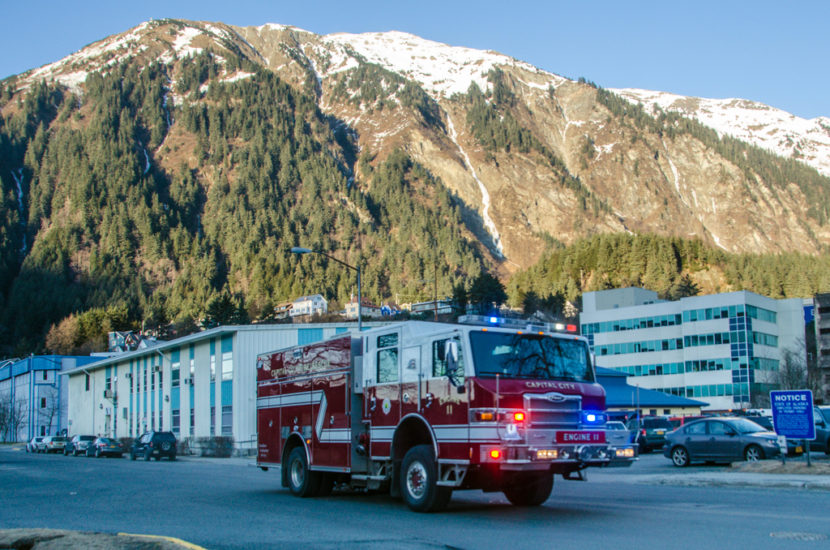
628 452
593 418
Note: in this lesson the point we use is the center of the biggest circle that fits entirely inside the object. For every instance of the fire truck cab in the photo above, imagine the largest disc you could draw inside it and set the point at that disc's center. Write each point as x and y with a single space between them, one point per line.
422 409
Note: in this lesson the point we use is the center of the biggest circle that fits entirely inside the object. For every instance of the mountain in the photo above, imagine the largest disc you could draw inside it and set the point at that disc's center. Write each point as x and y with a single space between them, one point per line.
174 164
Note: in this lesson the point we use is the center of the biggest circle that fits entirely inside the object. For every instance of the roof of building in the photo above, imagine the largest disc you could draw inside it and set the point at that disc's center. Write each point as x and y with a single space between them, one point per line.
211 333
16 367
618 393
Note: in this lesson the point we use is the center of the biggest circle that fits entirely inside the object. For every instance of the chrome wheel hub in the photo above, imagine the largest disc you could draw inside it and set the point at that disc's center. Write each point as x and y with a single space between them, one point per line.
416 480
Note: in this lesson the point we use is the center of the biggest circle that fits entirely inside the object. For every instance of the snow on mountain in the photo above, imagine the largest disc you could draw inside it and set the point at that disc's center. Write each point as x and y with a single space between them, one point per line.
773 129
123 46
441 69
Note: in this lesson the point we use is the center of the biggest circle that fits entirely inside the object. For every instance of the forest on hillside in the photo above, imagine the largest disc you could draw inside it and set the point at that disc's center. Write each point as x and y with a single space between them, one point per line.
140 205
137 212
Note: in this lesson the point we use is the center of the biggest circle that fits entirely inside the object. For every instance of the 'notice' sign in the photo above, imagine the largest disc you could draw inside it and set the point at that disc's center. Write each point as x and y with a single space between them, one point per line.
792 413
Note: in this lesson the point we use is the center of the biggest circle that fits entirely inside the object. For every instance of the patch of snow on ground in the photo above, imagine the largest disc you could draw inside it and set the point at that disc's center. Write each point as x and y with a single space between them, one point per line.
181 45
239 75
717 241
278 27
767 127
606 149
441 69
18 180
485 196
127 41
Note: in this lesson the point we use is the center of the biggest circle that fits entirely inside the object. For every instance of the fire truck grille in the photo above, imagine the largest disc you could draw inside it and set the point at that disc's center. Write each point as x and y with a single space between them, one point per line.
553 411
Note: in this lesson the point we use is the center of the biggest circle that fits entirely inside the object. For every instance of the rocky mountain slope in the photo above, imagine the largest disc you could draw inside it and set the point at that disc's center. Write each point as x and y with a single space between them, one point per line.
164 172
582 168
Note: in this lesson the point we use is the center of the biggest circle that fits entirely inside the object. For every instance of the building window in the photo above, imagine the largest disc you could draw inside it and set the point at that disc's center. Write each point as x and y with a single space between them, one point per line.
227 358
45 375
87 382
212 360
192 421
174 417
42 402
227 420
43 430
212 420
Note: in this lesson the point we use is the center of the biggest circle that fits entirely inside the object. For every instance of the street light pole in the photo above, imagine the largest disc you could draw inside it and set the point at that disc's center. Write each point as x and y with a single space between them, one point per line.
301 250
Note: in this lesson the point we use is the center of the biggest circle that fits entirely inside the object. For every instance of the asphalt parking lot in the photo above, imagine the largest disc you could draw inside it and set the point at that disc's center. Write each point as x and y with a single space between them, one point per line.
208 489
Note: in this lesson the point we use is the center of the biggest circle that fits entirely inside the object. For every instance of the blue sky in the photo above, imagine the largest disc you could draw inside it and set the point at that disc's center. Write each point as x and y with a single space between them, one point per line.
774 52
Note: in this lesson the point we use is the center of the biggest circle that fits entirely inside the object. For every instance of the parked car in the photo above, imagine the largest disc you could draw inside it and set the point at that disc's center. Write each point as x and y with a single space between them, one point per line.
651 432
78 444
794 446
154 445
616 433
105 446
677 421
53 443
31 446
721 439
821 418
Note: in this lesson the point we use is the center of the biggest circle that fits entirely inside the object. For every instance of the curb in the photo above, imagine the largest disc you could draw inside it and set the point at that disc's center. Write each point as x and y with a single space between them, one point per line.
60 539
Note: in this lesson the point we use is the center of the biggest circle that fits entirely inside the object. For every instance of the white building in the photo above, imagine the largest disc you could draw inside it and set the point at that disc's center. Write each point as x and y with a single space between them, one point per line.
309 305
439 307
723 348
368 311
198 386
33 395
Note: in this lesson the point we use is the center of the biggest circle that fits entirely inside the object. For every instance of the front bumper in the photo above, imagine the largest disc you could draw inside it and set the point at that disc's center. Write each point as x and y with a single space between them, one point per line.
558 458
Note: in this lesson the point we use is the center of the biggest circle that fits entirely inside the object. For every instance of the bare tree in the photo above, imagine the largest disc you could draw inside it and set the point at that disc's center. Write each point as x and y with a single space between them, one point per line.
5 408
793 372
12 417
48 413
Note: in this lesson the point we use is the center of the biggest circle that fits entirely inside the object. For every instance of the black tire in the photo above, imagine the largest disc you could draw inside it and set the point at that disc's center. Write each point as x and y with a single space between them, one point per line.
172 457
148 454
753 453
529 489
827 447
302 482
680 456
419 481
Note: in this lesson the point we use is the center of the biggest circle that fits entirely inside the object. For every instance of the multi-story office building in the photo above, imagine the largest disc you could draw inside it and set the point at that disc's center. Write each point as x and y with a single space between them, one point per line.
822 324
33 395
724 349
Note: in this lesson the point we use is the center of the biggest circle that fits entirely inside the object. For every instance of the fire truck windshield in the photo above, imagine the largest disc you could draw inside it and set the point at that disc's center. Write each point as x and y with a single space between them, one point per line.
530 356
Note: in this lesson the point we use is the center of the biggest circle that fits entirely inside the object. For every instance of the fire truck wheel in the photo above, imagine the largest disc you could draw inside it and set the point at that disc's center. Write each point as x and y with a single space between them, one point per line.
302 482
419 477
529 489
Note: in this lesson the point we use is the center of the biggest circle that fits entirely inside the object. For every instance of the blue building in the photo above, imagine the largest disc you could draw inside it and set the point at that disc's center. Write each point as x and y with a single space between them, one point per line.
35 395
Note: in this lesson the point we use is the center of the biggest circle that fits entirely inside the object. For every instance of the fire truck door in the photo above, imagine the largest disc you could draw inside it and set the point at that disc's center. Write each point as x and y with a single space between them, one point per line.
445 402
410 380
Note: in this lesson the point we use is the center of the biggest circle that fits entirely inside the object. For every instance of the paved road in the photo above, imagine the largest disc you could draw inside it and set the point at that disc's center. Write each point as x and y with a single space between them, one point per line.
226 504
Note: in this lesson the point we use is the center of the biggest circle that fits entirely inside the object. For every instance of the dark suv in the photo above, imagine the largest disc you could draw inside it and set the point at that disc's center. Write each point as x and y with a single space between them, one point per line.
651 432
154 445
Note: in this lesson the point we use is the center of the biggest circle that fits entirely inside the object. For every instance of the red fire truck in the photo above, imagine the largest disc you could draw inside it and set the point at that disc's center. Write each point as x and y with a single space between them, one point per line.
421 409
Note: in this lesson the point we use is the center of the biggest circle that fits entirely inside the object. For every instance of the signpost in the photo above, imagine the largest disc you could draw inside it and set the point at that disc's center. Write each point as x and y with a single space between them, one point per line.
792 416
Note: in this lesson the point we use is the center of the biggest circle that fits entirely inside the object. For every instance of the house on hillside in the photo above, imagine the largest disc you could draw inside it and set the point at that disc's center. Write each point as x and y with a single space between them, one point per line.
314 304
369 309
